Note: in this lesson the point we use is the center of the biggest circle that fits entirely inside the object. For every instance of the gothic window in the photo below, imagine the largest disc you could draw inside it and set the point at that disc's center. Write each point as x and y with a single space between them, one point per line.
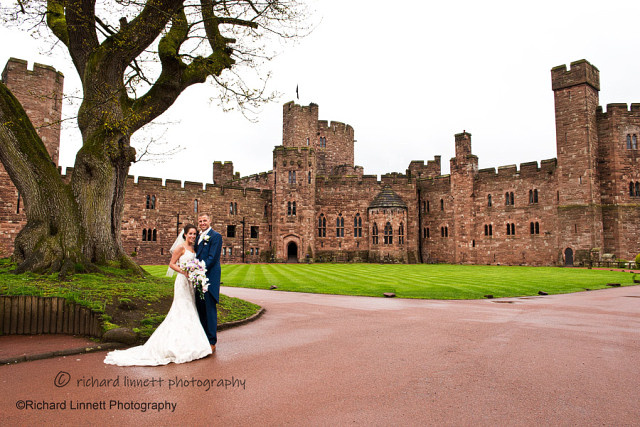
388 234
231 231
637 189
293 208
508 198
231 208
293 177
155 235
631 189
488 230
144 234
628 142
489 200
441 231
148 201
374 234
446 231
339 226
322 226
288 208
153 202
401 234
195 206
534 228
357 226
427 232
441 204
254 231
235 208
511 229
427 206
533 196
634 142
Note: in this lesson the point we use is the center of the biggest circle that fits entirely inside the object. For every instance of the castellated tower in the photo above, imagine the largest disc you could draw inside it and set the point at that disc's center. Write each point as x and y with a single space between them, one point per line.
294 202
333 142
40 93
464 168
578 195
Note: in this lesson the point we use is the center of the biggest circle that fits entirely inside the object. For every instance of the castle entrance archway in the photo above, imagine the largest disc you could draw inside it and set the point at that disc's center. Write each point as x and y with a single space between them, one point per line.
568 257
292 252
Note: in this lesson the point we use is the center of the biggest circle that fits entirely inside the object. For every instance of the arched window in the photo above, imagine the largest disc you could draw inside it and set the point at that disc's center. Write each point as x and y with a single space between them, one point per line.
293 177
531 228
374 234
628 142
537 228
428 232
446 231
309 177
530 196
230 208
153 202
508 229
506 198
489 200
388 234
322 226
144 234
288 208
427 206
155 235
637 189
535 196
293 209
441 231
511 197
441 204
490 229
148 201
195 206
486 230
634 142
339 226
401 234
631 189
357 226
235 208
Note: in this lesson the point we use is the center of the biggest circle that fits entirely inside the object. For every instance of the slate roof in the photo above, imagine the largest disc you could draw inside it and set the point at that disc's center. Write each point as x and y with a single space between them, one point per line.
387 198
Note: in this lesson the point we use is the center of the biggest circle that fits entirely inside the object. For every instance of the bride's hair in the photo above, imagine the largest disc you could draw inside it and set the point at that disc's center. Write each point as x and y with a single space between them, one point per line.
186 230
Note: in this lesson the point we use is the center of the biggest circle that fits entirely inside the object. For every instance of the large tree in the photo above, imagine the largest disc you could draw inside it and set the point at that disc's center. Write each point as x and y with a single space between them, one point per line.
79 223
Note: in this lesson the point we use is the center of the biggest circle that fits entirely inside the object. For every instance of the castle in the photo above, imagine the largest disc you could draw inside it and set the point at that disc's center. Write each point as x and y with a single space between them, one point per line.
316 205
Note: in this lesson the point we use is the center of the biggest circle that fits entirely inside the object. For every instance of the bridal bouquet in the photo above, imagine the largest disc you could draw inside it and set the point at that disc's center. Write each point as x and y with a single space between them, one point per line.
196 271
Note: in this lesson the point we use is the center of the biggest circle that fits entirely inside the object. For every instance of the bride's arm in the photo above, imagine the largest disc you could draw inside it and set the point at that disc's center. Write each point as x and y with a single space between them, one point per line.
174 259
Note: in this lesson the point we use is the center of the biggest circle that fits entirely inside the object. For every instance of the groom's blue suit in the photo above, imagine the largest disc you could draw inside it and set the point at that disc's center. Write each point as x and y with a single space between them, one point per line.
208 250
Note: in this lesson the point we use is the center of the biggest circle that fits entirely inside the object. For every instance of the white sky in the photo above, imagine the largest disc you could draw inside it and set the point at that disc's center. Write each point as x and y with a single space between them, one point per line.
407 76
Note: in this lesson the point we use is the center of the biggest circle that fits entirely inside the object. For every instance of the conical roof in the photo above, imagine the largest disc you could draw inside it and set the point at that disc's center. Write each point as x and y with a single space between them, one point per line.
387 198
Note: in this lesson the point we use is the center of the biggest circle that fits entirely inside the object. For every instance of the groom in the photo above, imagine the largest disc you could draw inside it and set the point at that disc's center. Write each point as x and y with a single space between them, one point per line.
208 247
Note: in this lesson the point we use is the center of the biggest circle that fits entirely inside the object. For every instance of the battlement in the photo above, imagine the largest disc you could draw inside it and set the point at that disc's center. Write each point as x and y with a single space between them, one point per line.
581 72
20 66
223 172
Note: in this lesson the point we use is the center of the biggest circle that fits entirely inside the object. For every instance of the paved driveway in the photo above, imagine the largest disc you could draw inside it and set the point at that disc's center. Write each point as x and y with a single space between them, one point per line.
327 360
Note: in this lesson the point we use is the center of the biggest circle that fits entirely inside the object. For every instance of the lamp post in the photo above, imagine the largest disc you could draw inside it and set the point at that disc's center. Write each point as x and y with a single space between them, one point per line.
242 222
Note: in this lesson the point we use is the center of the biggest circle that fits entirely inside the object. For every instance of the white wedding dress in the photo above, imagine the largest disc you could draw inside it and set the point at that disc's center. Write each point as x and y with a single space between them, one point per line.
179 338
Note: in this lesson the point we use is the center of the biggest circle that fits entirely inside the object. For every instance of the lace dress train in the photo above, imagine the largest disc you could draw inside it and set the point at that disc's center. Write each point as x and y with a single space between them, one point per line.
179 338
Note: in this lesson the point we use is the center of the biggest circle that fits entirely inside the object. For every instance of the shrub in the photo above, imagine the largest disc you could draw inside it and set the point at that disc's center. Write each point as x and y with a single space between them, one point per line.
638 261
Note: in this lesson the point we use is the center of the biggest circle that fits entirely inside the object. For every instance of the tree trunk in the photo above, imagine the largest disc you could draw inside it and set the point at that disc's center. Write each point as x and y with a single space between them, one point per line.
69 227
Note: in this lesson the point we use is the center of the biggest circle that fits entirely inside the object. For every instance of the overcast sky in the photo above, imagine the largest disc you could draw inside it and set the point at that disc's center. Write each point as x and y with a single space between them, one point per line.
407 76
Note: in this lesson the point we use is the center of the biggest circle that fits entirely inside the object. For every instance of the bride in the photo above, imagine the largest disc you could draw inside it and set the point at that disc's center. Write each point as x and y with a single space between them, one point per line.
180 337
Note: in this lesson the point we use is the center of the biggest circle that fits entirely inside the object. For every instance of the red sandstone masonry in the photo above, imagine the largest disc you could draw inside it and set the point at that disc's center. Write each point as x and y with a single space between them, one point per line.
582 203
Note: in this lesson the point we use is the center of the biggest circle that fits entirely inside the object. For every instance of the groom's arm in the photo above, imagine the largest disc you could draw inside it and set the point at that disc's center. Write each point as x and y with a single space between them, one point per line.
214 251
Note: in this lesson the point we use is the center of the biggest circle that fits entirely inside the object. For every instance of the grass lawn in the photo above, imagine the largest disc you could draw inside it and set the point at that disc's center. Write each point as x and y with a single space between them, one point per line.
133 302
439 281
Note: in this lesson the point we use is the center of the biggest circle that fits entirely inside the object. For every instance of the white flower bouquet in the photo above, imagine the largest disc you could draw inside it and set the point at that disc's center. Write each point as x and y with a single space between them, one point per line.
196 270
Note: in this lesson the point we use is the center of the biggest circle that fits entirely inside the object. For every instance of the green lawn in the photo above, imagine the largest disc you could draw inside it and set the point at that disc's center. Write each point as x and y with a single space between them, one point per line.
417 281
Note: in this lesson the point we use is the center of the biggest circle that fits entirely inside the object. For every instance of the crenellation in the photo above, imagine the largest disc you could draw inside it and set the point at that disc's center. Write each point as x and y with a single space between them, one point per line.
565 210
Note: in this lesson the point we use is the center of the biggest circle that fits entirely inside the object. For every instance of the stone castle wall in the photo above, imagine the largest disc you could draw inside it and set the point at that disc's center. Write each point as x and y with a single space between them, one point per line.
578 205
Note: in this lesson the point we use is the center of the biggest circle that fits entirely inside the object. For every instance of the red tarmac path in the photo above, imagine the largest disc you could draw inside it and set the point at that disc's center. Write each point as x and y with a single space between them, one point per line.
333 360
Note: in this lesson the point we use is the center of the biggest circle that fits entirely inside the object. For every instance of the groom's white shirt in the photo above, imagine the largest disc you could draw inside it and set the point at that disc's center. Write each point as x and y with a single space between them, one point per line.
204 233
